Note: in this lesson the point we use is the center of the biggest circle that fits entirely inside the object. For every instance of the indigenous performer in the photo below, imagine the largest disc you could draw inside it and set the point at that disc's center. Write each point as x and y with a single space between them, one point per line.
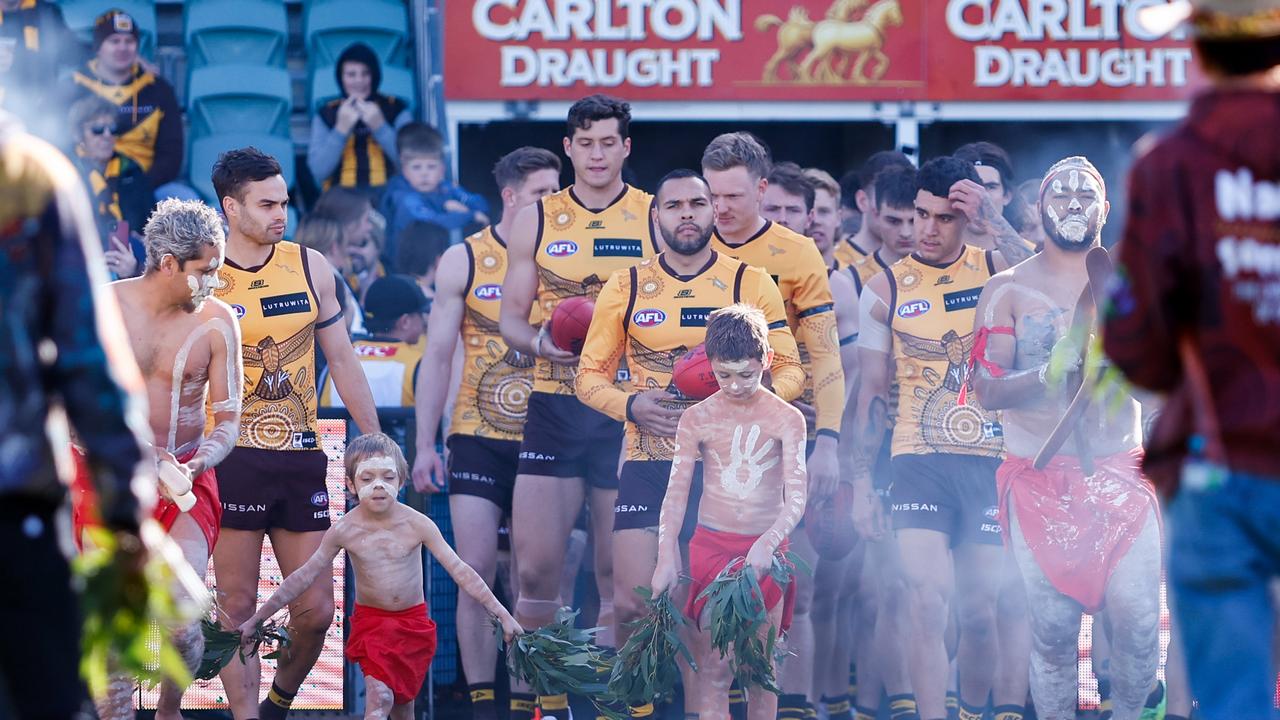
752 445
1083 540
187 345
391 637
915 329
651 315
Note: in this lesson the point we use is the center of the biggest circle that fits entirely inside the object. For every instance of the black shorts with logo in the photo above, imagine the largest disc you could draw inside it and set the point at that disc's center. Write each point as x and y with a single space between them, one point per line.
265 489
953 494
641 489
564 438
483 467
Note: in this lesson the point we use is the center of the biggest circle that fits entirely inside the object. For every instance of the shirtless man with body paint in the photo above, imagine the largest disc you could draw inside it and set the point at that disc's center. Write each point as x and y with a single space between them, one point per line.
391 637
187 345
752 446
1082 541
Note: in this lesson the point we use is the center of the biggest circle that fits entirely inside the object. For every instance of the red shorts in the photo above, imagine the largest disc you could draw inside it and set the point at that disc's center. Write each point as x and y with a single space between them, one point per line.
394 647
711 551
1077 528
207 512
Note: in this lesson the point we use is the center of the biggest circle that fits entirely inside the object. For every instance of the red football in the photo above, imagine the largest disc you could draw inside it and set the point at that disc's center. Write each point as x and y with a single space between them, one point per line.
693 376
829 523
570 322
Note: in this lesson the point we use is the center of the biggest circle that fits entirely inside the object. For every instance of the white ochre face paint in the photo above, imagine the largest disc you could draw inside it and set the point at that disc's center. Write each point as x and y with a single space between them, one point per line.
736 385
202 288
1070 218
378 466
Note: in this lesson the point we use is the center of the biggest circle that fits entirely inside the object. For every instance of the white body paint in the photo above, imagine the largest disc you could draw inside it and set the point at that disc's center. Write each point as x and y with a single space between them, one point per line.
218 444
379 464
746 458
202 288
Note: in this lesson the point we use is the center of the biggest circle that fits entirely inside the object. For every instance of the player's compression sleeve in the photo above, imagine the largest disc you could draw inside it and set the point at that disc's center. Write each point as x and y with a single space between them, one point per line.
816 328
788 374
603 349
873 334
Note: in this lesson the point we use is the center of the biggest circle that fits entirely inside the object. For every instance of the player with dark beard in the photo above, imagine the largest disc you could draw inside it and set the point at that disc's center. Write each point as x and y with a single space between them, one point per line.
1082 539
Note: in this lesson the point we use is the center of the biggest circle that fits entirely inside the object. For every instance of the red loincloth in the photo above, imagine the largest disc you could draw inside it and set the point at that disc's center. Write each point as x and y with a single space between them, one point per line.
711 551
394 647
207 512
1078 528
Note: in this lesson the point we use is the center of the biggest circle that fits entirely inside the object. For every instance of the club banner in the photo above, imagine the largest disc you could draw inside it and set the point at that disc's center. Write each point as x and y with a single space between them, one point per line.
763 50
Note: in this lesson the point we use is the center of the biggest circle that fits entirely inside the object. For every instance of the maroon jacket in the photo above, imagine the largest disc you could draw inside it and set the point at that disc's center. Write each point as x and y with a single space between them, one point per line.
1200 259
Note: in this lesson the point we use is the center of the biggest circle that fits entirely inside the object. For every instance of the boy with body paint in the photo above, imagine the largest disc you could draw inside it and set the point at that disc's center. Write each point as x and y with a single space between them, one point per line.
392 639
187 345
752 446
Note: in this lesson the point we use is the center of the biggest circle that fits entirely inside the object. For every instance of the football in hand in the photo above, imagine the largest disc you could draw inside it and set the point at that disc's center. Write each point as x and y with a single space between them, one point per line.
693 375
570 322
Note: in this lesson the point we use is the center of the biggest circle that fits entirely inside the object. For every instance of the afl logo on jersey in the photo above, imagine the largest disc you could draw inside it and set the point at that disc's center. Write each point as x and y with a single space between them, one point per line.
562 248
648 318
489 292
914 308
239 310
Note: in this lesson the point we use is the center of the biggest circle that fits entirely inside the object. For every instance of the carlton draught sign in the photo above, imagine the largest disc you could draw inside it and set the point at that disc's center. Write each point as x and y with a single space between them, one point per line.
811 50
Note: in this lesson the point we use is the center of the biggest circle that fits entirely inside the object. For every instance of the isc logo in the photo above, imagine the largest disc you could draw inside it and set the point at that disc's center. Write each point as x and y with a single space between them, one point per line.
562 248
489 292
914 308
648 318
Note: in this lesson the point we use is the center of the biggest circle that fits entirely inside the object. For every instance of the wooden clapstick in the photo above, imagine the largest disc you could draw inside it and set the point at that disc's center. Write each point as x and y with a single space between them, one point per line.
1098 264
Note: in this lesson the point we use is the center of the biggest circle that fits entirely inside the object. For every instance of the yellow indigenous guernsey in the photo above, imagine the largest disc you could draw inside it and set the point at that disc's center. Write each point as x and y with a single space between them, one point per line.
278 312
795 264
494 393
651 316
931 311
390 367
577 250
848 252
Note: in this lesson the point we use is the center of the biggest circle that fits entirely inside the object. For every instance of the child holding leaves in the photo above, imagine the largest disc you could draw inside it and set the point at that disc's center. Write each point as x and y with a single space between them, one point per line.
392 638
752 445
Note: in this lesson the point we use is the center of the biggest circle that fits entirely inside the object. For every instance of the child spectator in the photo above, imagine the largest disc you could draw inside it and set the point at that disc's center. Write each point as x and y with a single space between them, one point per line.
392 638
420 191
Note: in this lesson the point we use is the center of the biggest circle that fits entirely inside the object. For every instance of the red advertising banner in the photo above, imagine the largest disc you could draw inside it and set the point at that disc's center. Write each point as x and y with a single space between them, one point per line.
799 50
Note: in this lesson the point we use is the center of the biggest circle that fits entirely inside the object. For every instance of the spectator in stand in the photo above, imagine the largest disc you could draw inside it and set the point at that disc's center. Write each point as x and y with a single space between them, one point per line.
1031 226
421 245
421 193
148 119
35 45
352 137
121 196
324 235
351 209
391 353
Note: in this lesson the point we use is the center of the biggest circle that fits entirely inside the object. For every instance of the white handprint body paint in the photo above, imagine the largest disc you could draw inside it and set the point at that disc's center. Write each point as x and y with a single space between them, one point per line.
748 461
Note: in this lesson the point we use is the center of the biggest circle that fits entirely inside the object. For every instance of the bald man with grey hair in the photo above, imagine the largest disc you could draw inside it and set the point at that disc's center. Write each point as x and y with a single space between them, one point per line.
187 344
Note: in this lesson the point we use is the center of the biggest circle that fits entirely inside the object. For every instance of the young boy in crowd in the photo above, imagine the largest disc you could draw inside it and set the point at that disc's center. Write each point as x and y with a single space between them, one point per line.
752 446
421 193
392 639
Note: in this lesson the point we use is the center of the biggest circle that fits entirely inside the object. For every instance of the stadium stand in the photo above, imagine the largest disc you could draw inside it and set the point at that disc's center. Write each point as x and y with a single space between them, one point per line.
252 32
331 25
220 101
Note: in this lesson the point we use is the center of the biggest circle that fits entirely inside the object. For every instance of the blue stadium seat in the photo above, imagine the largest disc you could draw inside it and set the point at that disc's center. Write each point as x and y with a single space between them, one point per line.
252 32
221 99
205 151
80 15
396 81
331 25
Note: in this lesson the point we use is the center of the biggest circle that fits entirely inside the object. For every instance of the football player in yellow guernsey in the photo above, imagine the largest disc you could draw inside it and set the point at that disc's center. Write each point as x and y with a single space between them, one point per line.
568 245
483 435
652 314
916 329
789 200
865 242
880 590
273 482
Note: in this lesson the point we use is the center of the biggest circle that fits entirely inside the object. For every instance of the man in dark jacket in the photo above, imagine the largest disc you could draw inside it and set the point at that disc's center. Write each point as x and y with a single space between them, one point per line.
52 290
1195 314
149 124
